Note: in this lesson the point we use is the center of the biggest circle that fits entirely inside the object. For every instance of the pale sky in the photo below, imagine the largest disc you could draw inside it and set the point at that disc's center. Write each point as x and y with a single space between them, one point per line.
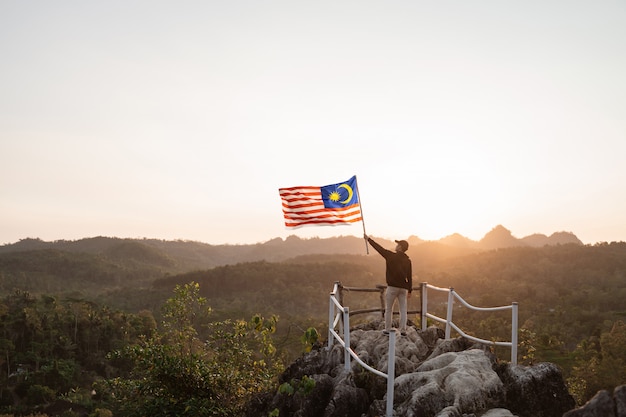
181 119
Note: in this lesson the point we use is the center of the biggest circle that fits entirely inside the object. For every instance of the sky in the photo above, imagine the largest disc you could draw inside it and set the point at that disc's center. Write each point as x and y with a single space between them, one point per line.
182 119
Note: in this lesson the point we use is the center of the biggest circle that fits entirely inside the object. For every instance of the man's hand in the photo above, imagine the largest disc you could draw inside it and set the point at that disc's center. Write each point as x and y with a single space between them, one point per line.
408 295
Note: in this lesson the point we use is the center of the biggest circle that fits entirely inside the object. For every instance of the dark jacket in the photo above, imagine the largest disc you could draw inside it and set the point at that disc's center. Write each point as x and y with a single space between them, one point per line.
399 269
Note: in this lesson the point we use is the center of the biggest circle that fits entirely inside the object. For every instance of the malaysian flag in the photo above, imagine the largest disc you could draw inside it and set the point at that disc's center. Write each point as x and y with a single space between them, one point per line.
327 205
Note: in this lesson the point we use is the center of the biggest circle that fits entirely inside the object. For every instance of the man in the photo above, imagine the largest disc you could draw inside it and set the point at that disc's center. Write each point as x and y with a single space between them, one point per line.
399 276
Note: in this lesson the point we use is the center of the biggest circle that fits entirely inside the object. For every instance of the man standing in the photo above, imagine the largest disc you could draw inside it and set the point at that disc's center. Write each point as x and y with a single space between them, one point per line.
399 276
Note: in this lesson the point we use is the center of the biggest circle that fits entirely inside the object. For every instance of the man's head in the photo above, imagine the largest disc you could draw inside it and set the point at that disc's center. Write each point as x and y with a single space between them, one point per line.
402 245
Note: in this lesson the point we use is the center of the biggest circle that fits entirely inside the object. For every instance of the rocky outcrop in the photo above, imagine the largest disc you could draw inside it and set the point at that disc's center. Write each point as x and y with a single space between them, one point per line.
434 377
603 405
538 388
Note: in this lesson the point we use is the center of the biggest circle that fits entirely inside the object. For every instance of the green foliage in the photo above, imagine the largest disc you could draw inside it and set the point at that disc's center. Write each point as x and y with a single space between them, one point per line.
182 313
600 363
173 373
30 415
101 412
61 272
50 346
310 338
38 394
304 386
526 346
570 297
298 389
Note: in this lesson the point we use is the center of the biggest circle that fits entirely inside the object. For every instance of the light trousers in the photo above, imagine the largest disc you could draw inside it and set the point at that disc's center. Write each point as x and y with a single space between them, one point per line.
391 295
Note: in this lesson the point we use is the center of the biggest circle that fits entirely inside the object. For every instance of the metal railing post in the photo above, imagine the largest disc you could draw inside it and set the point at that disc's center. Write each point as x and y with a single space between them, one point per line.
340 292
381 288
346 338
449 313
331 317
424 299
391 372
514 325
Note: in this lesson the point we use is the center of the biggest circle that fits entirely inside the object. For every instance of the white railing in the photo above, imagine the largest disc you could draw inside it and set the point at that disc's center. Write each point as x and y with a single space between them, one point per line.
339 316
450 325
339 329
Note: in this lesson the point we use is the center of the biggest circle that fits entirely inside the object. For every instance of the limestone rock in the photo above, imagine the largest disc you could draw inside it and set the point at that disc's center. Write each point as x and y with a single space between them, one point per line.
535 391
498 412
619 396
601 405
434 378
347 399
453 382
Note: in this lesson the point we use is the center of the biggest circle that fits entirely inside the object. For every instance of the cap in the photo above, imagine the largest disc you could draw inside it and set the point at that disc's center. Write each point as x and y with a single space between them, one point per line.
403 244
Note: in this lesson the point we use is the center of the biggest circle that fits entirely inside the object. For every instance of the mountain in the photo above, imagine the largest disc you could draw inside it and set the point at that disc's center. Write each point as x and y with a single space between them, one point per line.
180 255
458 241
500 237
558 238
113 263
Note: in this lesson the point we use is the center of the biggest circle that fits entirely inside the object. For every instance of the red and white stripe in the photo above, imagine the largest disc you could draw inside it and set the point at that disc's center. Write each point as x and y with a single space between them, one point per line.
304 206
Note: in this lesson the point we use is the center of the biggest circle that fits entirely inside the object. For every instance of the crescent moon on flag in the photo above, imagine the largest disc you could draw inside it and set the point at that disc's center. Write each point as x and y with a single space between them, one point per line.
350 193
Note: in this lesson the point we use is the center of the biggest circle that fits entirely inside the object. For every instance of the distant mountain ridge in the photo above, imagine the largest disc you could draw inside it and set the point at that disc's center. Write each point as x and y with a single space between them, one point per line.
178 255
500 237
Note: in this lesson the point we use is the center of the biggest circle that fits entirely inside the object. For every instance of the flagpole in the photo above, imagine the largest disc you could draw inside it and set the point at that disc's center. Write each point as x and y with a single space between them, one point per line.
356 182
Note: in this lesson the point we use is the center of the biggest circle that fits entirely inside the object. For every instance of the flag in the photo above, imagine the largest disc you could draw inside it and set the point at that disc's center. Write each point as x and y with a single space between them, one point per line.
327 205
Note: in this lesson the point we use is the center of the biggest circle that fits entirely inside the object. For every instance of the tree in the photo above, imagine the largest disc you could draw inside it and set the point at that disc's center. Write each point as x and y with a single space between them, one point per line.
183 313
612 365
600 363
174 373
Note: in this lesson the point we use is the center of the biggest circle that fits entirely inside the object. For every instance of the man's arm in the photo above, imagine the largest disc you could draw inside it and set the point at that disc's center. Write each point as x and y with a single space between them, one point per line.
375 245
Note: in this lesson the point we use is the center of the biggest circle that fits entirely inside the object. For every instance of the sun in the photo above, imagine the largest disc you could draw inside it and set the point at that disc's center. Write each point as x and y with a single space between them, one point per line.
334 196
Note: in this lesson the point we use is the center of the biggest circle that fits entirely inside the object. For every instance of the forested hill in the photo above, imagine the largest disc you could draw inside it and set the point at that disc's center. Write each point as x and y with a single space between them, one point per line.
93 266
125 272
184 255
569 295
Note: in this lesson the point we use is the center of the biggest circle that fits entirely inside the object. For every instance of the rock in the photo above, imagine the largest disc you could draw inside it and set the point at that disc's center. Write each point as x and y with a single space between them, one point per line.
498 412
452 345
318 361
535 391
601 405
347 400
299 403
619 396
312 404
372 347
432 335
449 384
434 378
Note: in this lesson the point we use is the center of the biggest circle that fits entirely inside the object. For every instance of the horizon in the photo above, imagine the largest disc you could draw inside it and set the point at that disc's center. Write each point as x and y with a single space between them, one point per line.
308 238
181 122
